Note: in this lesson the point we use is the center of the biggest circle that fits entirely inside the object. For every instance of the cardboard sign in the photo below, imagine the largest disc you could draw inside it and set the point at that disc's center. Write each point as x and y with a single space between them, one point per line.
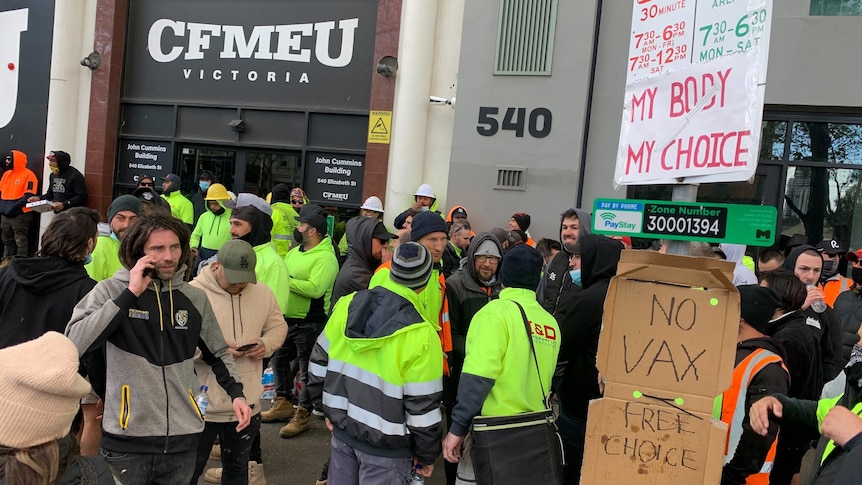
666 349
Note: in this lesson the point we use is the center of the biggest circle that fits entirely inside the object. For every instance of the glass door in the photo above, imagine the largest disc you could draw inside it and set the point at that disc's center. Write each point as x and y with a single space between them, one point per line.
221 162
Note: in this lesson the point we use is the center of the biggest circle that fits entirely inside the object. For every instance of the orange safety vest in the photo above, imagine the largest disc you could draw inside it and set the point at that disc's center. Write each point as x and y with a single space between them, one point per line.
832 288
733 409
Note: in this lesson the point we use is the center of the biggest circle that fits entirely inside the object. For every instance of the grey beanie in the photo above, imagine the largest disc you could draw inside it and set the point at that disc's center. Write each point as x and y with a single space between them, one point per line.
411 265
124 203
487 248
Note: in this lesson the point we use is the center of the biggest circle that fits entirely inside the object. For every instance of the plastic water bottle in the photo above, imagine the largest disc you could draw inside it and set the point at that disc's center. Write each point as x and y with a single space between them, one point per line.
203 401
268 382
416 478
818 305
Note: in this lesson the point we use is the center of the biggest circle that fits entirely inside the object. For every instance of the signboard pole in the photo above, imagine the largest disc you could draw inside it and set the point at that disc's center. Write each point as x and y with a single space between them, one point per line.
682 193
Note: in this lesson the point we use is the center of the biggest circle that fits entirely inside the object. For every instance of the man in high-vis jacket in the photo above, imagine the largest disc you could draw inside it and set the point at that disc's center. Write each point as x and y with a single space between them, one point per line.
378 366
759 372
499 377
839 420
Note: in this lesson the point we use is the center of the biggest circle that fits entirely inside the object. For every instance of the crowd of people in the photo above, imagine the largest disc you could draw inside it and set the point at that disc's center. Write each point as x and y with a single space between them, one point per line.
398 338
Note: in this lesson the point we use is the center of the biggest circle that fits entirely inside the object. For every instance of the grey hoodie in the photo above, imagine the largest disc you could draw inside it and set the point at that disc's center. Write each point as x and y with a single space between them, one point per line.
150 344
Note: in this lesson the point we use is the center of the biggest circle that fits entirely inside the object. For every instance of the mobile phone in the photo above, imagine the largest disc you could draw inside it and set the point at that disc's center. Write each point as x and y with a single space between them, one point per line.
151 272
245 347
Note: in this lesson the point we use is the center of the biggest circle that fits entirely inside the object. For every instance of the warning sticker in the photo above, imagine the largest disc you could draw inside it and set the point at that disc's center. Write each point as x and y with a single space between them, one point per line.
379 126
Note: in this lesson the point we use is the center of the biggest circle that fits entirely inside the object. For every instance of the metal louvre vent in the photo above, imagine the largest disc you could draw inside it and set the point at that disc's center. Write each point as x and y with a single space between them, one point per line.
525 37
511 178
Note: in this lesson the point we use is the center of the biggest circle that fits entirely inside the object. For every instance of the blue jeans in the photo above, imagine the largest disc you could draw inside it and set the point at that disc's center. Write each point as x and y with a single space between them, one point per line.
573 431
235 449
151 468
349 466
298 345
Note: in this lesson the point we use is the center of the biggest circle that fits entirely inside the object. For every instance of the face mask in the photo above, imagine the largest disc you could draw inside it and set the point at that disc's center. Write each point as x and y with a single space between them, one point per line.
297 236
54 170
576 276
830 267
204 185
88 259
114 237
857 276
218 211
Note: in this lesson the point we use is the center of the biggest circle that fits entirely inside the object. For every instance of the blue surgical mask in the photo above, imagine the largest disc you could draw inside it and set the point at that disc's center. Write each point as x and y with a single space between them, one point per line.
204 185
88 259
576 276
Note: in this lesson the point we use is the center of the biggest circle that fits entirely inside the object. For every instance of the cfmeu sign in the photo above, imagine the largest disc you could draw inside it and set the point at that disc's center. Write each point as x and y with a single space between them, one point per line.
12 24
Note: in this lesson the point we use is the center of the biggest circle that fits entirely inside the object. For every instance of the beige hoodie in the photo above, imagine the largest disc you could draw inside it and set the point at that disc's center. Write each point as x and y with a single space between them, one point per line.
245 318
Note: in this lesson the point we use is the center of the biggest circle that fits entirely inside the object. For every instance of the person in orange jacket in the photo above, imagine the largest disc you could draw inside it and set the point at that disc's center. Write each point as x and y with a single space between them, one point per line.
832 282
17 185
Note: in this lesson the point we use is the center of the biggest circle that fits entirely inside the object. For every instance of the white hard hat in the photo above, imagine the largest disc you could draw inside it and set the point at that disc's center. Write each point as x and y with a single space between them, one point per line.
425 190
373 204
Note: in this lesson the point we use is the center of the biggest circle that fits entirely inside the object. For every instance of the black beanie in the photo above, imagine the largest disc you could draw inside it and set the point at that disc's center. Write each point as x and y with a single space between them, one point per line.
522 267
522 219
757 305
427 222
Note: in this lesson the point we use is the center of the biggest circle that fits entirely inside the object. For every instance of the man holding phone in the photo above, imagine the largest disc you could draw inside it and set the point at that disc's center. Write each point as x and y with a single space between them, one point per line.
151 327
251 322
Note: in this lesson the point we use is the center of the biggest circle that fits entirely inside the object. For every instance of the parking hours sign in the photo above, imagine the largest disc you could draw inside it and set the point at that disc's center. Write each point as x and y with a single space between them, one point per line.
696 76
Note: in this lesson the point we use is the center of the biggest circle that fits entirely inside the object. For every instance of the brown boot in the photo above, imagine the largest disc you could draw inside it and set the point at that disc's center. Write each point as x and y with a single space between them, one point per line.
281 410
255 473
213 475
215 453
298 424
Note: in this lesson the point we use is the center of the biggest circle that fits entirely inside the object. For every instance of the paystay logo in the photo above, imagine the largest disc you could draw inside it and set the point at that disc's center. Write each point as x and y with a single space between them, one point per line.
12 24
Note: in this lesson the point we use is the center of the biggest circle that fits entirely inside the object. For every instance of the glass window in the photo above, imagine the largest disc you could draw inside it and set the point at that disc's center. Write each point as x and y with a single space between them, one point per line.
821 203
193 159
826 142
835 7
263 170
772 140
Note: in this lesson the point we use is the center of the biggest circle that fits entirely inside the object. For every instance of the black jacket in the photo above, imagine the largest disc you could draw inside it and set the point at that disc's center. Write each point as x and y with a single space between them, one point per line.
198 202
467 296
826 326
67 186
450 260
555 282
37 295
848 309
580 321
360 264
751 452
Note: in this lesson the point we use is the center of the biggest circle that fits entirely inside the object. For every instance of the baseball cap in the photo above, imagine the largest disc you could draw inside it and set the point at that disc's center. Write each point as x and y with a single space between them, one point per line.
315 216
172 177
238 260
854 256
381 233
830 247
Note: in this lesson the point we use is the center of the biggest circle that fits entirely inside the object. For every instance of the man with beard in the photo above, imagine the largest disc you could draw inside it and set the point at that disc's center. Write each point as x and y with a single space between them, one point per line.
365 251
467 291
313 266
105 260
181 207
151 322
592 265
573 224
459 239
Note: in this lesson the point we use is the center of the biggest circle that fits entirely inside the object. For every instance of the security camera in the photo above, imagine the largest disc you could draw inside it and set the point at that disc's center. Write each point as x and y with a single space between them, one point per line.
92 61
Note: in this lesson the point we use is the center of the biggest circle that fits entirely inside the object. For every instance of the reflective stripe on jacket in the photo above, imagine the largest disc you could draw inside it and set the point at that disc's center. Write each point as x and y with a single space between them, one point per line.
733 409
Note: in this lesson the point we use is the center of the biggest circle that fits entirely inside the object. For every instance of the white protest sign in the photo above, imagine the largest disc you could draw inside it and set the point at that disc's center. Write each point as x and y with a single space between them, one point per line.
690 135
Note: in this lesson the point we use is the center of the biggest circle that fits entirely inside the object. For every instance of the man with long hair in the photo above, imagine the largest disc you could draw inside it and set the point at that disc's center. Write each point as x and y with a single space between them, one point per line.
151 321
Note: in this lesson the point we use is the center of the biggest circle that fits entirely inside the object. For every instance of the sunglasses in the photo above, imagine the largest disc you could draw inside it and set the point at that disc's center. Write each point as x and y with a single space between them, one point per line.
146 184
297 201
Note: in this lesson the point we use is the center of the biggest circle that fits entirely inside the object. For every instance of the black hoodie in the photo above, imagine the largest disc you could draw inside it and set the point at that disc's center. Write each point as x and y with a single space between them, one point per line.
580 320
68 185
280 193
750 454
261 224
360 263
37 295
829 331
556 282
